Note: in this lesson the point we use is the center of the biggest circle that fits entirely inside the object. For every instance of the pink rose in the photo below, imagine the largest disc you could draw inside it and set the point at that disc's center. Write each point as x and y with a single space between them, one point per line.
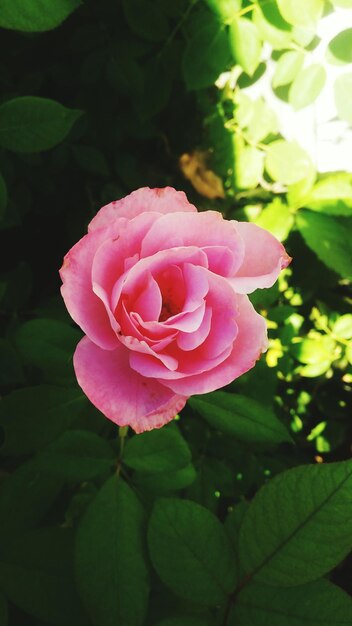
160 291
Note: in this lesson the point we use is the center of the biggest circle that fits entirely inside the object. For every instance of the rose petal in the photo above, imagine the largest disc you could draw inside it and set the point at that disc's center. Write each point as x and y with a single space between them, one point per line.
251 341
148 303
120 393
190 341
166 200
84 306
264 258
206 229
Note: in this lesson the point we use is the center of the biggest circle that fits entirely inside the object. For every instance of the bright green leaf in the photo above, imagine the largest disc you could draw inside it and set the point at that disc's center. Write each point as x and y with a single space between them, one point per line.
332 195
277 218
318 604
307 86
35 15
263 122
202 70
271 26
343 326
245 44
77 455
249 167
340 48
349 353
241 417
344 4
191 551
301 12
111 571
156 451
287 67
314 350
36 575
329 238
310 536
32 124
287 162
225 10
342 91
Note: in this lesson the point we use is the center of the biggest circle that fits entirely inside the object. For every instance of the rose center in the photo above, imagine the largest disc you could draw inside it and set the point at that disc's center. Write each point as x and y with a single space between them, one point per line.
172 293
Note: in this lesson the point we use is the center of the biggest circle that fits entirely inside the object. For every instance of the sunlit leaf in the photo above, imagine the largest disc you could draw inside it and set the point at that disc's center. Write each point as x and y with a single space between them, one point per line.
249 167
332 195
287 67
342 91
287 162
245 44
301 12
307 86
339 50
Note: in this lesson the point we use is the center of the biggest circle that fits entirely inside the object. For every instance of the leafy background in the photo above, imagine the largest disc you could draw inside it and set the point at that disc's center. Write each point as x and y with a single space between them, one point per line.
239 512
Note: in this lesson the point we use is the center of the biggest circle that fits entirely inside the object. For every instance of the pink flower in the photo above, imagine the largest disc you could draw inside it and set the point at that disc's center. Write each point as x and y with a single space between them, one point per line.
160 292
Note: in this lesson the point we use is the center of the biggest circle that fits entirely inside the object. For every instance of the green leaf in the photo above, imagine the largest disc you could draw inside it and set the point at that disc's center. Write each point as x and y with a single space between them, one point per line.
307 86
301 12
225 10
329 238
157 89
339 50
48 345
277 218
310 536
343 326
318 604
4 615
183 620
156 451
332 195
249 167
25 497
35 15
287 162
202 70
91 160
191 551
111 572
164 482
33 416
271 26
342 91
288 66
3 196
349 353
314 350
32 124
146 19
344 4
263 121
245 44
36 575
241 417
77 455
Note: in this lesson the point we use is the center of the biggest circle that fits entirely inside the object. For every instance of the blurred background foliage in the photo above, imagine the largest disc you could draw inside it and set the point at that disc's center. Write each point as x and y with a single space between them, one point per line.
100 98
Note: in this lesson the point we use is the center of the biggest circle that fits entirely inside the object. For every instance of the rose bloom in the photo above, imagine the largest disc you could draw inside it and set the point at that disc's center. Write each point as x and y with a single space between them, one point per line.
160 292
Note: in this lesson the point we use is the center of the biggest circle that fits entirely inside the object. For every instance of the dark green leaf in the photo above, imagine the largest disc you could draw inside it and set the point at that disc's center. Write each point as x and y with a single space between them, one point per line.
183 620
25 497
164 482
146 19
36 574
4 617
35 15
33 416
77 455
329 238
32 124
201 69
311 533
317 604
191 552
3 196
48 345
91 160
241 417
162 450
111 573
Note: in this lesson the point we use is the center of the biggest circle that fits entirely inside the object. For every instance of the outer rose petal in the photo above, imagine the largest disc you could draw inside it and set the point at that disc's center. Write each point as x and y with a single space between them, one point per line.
250 342
264 258
166 200
121 394
84 306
